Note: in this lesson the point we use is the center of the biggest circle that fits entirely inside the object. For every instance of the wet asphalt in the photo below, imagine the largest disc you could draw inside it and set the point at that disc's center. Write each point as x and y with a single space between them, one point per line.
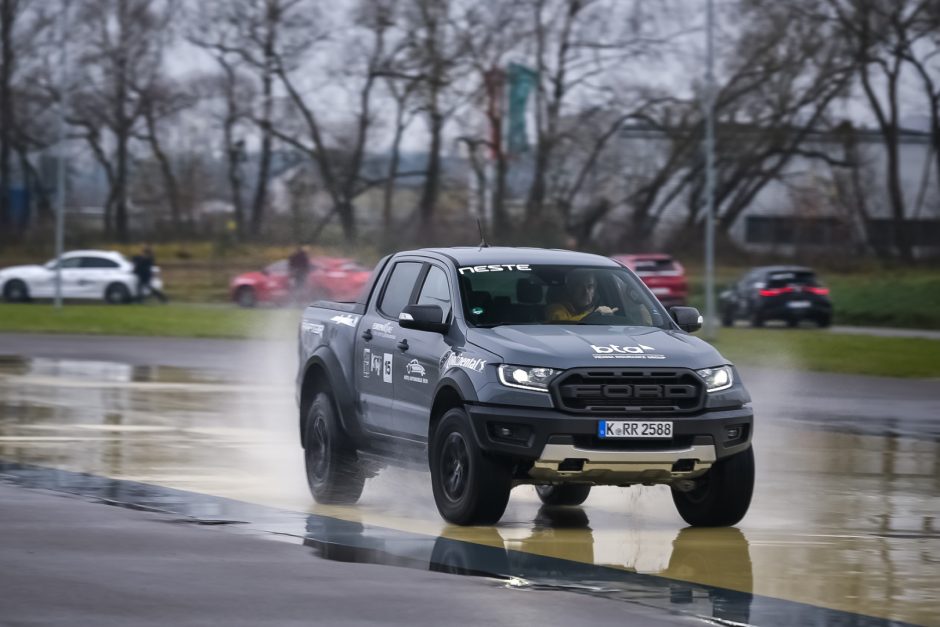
201 435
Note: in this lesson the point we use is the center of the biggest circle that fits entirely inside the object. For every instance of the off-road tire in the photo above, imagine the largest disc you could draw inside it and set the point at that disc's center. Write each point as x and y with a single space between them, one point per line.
470 487
824 322
723 494
334 474
117 294
15 291
567 494
757 320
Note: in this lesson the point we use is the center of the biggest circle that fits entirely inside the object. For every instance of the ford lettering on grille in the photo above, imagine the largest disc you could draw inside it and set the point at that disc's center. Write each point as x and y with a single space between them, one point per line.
629 391
623 391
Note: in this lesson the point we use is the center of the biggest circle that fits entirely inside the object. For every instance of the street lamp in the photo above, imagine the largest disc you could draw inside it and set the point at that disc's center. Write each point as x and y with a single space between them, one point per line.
710 327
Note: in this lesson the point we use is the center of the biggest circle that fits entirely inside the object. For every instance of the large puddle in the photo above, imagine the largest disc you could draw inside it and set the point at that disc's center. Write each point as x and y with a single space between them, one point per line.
842 528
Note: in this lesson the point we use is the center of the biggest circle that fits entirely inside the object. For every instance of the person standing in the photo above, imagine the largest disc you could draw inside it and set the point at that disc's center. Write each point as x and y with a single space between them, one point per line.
143 269
298 265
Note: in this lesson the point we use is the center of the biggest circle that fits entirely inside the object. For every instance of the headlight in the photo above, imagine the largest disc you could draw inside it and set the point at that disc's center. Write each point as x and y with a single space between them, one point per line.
717 379
525 377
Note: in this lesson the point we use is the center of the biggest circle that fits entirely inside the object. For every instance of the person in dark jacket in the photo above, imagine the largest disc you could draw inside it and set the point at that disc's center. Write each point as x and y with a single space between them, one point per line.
298 265
143 268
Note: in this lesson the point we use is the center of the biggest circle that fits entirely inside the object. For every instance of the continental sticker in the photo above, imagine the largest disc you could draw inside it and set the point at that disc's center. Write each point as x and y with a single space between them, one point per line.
467 362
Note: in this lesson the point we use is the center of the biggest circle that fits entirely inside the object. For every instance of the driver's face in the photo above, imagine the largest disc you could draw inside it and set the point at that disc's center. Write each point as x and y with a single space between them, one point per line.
581 291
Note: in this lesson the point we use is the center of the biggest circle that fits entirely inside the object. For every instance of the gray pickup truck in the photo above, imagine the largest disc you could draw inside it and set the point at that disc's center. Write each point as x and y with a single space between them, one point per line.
498 367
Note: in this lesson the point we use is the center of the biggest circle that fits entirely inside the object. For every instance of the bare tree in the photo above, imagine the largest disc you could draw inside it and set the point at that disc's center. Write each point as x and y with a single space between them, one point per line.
883 37
249 33
121 50
162 100
368 57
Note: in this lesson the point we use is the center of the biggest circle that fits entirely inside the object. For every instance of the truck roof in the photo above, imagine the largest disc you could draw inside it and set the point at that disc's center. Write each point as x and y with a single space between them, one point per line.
474 255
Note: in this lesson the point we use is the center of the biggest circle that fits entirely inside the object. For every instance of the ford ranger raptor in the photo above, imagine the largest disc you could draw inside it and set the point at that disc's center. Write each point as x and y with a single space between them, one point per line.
497 367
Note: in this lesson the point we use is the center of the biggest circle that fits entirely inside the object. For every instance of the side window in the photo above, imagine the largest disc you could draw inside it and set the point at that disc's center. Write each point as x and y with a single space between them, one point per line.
436 291
398 288
71 262
97 262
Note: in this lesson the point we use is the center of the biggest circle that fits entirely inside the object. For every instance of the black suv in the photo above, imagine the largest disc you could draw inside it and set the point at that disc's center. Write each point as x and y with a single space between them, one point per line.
788 293
497 367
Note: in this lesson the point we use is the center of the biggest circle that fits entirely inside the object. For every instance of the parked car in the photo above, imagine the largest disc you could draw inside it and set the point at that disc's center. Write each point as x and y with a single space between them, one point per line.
86 274
335 278
662 274
788 293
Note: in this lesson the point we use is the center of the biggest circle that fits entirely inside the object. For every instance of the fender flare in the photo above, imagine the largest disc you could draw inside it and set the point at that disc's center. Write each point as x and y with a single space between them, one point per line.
458 379
324 359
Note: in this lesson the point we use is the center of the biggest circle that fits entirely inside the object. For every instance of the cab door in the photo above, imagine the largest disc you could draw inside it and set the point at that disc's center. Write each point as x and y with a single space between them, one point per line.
377 354
418 368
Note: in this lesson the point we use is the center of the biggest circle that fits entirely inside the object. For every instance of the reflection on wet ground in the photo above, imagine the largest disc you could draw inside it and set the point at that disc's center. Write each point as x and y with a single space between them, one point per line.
842 530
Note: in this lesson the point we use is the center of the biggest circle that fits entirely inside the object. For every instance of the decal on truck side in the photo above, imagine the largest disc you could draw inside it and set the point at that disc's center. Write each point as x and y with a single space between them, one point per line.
345 319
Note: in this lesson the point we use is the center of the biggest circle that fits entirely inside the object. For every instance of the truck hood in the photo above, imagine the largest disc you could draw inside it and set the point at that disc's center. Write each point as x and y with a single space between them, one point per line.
569 346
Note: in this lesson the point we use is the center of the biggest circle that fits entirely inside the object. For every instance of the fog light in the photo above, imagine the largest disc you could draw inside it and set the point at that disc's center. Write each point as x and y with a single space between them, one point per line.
734 433
506 432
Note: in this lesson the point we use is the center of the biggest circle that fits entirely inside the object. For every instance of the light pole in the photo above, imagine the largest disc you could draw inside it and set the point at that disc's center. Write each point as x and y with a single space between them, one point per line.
60 166
710 329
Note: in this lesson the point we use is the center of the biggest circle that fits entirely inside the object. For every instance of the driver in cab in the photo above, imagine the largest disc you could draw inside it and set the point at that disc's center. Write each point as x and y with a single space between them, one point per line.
580 299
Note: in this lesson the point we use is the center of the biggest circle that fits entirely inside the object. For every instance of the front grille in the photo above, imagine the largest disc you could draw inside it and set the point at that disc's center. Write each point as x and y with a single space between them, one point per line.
632 391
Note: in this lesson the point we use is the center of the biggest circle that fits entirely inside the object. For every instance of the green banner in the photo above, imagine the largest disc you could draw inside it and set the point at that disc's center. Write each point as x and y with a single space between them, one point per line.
521 82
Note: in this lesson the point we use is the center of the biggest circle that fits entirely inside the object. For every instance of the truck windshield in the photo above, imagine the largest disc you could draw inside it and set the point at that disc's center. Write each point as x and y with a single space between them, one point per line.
510 294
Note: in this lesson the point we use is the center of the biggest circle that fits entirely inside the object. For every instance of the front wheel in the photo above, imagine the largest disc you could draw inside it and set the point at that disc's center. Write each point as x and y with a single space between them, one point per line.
15 291
470 488
568 494
722 496
334 474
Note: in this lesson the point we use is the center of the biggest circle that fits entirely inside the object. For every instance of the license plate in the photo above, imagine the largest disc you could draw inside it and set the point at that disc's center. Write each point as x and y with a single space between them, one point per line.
798 304
633 429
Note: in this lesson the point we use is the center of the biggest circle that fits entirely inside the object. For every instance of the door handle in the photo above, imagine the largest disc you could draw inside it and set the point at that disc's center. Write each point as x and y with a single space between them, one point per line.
403 345
367 335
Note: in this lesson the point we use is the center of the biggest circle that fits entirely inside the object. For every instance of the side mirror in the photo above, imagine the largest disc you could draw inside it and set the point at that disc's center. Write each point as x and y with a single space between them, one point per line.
423 318
688 318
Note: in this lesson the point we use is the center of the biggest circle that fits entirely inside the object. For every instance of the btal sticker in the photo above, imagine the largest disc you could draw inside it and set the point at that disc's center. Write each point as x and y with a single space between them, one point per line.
615 351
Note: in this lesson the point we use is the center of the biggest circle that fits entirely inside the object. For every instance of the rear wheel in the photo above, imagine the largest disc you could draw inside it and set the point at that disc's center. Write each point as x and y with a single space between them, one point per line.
727 317
721 497
568 494
117 293
470 488
15 291
334 474
757 320
824 322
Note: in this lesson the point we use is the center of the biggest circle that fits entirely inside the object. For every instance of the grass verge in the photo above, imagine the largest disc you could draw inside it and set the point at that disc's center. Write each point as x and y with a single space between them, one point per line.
822 351
773 347
173 320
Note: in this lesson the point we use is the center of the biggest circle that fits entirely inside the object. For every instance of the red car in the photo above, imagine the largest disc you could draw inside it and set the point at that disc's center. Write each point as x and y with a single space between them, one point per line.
662 274
331 278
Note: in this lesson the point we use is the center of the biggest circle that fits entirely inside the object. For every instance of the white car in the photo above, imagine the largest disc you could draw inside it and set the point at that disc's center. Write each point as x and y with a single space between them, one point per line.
91 274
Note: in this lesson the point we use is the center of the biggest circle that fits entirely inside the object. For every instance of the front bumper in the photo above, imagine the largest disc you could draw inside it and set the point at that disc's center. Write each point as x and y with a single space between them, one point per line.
557 447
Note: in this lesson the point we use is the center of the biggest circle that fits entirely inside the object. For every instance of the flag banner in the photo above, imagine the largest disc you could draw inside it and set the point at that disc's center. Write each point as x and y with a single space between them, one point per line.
521 82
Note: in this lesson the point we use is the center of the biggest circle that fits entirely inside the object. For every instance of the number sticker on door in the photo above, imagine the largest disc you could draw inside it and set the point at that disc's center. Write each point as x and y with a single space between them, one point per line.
387 368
